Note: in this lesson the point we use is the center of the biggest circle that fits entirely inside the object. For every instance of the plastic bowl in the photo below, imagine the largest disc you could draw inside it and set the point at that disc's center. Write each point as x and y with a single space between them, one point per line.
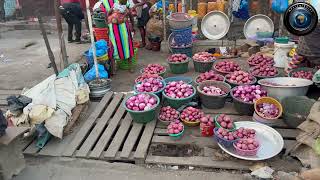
176 136
244 108
191 124
222 141
176 103
158 93
234 84
179 67
219 126
263 77
197 83
302 69
269 100
136 80
162 74
241 152
178 78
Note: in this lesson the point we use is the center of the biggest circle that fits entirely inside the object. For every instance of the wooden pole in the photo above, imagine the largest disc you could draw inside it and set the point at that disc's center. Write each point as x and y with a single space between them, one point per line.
59 29
175 6
183 6
92 39
46 41
164 20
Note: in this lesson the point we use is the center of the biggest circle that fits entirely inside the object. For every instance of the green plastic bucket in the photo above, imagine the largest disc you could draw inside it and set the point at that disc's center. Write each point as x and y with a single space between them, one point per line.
202 66
176 103
142 117
219 126
124 64
177 136
158 93
179 67
243 108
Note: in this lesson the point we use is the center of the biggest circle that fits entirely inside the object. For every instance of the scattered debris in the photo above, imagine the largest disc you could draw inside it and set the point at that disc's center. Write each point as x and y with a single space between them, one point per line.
191 168
29 44
264 172
173 167
286 176
208 152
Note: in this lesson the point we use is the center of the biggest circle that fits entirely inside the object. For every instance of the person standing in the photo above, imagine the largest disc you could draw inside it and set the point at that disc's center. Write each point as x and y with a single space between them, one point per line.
2 11
71 11
142 9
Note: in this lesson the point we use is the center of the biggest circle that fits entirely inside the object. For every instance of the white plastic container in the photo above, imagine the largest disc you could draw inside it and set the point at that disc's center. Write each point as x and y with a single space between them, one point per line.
281 53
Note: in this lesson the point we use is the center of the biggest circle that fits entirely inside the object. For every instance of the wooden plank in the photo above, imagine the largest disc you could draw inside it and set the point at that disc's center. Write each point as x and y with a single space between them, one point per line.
10 92
70 149
100 126
11 134
142 148
199 162
74 118
289 143
131 140
119 137
118 158
32 149
106 136
288 133
3 102
186 140
227 109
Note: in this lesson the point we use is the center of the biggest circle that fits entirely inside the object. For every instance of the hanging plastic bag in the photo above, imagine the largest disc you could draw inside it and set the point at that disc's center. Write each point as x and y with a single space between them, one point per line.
240 9
91 74
280 6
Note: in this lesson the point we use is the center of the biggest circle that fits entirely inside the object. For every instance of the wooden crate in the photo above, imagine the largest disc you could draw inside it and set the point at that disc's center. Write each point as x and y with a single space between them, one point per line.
208 147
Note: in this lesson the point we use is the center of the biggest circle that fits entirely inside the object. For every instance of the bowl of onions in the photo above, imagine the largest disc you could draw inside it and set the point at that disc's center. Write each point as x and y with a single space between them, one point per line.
224 121
178 93
146 76
191 116
150 85
142 107
209 75
213 94
168 114
178 63
224 137
154 69
240 78
260 59
203 61
245 96
175 129
304 73
206 125
247 147
264 71
226 67
267 110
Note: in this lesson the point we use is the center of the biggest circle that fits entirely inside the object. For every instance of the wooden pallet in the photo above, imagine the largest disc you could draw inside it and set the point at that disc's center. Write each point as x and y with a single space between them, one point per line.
192 138
109 134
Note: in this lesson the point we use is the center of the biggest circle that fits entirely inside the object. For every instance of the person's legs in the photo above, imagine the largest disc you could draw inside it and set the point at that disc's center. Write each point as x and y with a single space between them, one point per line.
143 35
78 30
70 31
2 11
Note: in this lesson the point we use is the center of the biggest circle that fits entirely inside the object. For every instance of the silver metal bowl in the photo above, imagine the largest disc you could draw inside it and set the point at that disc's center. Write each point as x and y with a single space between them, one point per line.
285 86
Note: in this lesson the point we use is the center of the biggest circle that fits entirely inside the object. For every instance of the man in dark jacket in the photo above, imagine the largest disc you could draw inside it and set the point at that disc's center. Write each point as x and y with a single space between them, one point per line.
2 11
72 13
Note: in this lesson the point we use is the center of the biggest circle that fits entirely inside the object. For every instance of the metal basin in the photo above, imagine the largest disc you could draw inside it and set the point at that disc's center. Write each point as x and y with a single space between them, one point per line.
282 87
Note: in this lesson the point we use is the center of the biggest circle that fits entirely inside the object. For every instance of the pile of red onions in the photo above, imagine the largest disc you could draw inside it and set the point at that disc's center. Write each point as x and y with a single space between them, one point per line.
150 85
207 121
168 114
240 77
260 59
178 90
175 127
146 76
191 114
154 69
141 102
213 91
268 110
244 133
303 74
203 57
227 66
225 121
177 58
225 134
264 71
247 144
210 75
249 93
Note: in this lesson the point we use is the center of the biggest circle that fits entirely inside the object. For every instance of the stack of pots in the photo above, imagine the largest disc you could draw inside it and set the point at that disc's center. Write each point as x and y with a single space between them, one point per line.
180 39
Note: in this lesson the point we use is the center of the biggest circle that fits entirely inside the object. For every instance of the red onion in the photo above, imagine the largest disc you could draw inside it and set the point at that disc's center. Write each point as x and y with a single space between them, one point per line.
264 71
249 93
141 102
207 121
225 121
191 114
227 66
203 57
303 74
240 77
268 110
244 133
175 127
247 144
150 85
177 58
154 69
260 59
210 75
178 90
213 91
146 76
168 114
225 134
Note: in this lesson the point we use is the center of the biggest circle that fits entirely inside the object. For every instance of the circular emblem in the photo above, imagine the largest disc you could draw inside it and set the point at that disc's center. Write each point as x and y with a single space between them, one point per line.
300 18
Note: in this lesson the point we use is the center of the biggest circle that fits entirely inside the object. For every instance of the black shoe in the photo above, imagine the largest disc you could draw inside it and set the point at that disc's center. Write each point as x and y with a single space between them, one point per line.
70 41
49 66
78 41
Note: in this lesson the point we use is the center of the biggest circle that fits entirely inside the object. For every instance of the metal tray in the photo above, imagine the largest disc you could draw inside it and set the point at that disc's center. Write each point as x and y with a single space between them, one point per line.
271 142
257 23
215 25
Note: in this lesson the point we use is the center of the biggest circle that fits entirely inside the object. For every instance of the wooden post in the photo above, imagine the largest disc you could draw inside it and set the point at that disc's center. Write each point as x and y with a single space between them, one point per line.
46 41
164 20
92 38
175 6
183 6
59 28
